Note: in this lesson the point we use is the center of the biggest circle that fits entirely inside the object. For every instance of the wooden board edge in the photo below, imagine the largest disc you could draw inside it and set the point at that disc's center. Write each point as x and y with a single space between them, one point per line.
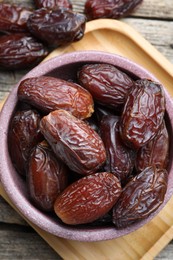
161 243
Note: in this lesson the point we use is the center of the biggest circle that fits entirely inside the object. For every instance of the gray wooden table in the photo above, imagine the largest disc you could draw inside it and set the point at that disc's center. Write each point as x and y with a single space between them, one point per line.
154 20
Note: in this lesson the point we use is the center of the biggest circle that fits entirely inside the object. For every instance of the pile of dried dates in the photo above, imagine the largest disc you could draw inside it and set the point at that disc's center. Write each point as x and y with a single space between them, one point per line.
94 151
27 35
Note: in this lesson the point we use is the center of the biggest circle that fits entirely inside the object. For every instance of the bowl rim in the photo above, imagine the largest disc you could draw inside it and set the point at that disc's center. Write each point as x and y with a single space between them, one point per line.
6 169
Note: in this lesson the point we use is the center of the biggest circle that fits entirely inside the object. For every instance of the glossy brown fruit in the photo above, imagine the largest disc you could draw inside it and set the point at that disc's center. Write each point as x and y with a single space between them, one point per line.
156 152
140 197
49 93
56 27
23 135
120 159
107 84
74 141
88 199
143 113
47 176
13 18
20 51
95 9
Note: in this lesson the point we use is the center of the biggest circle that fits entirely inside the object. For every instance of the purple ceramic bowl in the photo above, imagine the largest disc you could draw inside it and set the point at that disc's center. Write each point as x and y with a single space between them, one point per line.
65 67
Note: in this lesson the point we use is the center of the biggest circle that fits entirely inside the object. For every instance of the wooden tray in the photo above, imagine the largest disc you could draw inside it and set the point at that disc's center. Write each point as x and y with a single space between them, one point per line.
145 243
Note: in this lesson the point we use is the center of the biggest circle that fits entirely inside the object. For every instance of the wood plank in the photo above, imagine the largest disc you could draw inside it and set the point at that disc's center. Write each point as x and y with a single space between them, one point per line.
8 215
22 243
162 9
18 240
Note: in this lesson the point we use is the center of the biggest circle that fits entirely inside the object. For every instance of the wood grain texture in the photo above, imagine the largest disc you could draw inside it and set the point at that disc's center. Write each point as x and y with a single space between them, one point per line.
154 20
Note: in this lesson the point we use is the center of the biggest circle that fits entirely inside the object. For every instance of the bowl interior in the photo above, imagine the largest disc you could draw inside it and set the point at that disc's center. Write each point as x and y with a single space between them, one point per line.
65 67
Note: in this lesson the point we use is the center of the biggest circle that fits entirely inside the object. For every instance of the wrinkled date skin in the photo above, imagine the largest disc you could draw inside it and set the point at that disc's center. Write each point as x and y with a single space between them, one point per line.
20 51
57 27
95 9
47 176
120 159
140 197
88 199
74 141
49 93
107 84
143 113
53 3
155 152
23 135
13 18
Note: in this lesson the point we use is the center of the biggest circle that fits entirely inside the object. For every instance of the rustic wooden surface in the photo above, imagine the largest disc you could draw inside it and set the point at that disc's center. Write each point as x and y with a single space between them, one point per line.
154 20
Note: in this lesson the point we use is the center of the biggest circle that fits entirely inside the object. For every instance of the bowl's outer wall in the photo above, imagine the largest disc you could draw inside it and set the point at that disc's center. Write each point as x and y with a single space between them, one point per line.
65 67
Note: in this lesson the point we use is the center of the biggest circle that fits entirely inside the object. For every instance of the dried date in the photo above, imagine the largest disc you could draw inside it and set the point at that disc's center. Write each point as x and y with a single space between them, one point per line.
95 9
20 51
107 84
88 199
140 197
120 159
53 3
57 27
23 135
50 93
73 141
143 113
47 176
13 18
154 152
